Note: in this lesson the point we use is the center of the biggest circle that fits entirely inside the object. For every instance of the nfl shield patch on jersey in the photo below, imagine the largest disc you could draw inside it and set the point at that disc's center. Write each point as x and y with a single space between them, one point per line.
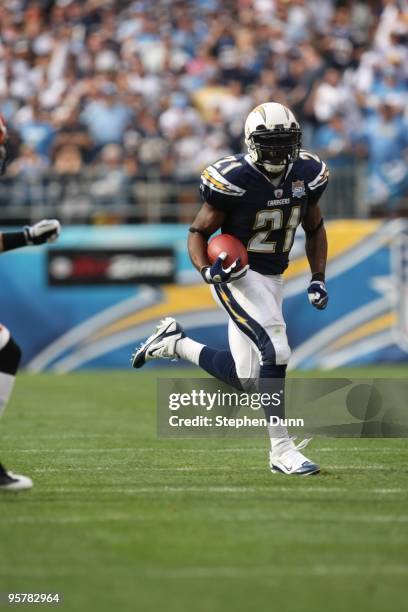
298 189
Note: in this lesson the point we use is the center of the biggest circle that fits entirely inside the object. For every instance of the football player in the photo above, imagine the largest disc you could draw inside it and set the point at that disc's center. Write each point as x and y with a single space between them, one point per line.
10 353
260 198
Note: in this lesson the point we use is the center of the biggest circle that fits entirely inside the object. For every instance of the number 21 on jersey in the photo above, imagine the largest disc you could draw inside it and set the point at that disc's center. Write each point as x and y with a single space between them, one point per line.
268 221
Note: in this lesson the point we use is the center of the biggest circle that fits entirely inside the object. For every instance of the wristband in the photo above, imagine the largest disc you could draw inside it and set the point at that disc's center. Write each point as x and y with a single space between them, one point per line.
14 240
203 271
318 276
196 230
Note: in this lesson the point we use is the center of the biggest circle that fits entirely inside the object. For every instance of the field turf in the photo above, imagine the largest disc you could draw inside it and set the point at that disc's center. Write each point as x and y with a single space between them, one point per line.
119 520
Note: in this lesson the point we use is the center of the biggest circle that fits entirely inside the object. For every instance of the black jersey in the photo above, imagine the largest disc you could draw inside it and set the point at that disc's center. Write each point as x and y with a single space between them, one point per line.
262 215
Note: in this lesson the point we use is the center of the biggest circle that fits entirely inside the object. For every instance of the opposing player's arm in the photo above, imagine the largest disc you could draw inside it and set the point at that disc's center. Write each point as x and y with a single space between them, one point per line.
46 230
208 220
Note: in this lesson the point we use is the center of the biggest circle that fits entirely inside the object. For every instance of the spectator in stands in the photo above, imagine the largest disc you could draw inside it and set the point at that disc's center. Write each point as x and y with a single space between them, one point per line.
106 117
38 133
134 74
29 165
385 138
333 142
68 160
71 132
329 96
111 184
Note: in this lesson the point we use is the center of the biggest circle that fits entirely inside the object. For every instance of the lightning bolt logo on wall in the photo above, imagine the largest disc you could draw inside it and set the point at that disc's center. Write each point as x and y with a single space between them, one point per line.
367 320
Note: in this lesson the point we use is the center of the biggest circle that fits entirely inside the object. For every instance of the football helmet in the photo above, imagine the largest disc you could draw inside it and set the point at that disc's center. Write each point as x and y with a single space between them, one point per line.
273 137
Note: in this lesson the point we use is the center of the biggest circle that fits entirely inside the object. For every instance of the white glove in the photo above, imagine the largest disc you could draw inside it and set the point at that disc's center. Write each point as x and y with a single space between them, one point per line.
46 230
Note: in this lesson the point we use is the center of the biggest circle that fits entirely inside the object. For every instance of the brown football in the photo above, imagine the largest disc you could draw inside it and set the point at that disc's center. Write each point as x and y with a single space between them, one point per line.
230 245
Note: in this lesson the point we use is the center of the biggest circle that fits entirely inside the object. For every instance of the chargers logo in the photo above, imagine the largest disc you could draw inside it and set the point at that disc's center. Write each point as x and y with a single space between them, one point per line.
298 189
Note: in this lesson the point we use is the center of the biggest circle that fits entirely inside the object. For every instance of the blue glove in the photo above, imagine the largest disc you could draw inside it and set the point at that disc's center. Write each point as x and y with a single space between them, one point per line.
216 274
317 294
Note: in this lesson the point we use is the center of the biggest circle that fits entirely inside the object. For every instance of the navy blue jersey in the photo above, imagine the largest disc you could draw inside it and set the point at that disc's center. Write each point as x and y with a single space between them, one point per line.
262 215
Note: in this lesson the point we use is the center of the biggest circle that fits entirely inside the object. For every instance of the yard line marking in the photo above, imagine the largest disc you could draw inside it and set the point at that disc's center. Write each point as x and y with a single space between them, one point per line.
193 450
238 572
379 467
223 489
38 451
133 518
357 449
223 571
61 435
198 468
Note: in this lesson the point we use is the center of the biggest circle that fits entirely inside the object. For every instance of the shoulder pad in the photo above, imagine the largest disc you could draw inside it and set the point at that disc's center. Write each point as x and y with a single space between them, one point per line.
215 176
315 170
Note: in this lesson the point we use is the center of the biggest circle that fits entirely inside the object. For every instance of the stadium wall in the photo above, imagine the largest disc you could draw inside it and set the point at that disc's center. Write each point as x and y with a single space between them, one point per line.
63 323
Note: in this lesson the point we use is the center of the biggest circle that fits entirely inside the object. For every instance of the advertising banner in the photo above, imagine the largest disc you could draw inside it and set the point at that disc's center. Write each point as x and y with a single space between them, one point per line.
86 301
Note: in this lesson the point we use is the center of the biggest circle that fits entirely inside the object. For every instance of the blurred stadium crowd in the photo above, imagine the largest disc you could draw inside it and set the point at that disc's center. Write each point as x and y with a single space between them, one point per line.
103 96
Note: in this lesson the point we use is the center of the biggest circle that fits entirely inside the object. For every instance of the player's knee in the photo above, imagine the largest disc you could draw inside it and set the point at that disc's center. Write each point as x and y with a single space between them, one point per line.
10 353
277 351
283 353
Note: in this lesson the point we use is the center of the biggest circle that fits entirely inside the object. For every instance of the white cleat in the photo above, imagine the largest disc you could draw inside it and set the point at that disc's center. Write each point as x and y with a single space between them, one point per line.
160 345
13 482
292 462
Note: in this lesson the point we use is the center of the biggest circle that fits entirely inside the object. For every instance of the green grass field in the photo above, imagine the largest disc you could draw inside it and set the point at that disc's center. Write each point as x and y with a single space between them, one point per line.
119 520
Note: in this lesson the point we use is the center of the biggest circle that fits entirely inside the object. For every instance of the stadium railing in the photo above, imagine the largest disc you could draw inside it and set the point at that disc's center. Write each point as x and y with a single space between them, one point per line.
82 198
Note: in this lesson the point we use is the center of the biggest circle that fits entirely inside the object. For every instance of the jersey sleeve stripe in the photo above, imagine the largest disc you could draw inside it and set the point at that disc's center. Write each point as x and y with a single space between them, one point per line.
322 182
320 179
213 173
221 187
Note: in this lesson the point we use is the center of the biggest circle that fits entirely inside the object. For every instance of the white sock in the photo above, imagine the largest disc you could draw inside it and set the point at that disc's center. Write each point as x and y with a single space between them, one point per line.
6 387
189 349
280 440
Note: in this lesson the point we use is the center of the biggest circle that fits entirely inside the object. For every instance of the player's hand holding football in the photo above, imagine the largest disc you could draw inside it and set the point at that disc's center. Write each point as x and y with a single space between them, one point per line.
317 293
46 230
218 274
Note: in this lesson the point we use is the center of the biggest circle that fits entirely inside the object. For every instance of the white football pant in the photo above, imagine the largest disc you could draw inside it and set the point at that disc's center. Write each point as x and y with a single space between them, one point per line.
256 328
